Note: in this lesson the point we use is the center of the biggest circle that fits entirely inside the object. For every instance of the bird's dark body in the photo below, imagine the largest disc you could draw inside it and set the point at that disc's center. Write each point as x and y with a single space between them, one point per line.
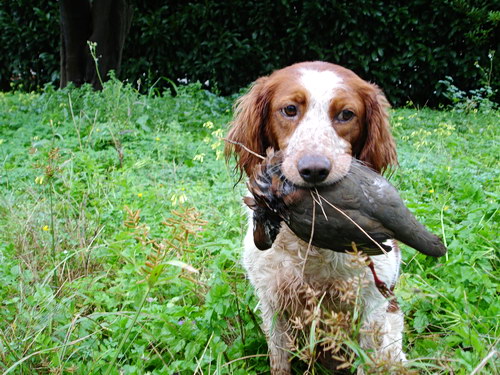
363 195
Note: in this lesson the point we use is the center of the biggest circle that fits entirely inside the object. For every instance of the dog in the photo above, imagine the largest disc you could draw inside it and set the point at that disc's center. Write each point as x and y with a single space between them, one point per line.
320 116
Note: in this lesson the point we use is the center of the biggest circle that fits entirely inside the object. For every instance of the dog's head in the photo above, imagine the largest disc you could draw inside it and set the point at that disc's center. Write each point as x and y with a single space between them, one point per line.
320 115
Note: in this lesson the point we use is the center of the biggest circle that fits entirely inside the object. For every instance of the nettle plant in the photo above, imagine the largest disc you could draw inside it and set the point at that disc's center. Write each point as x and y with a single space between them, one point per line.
479 99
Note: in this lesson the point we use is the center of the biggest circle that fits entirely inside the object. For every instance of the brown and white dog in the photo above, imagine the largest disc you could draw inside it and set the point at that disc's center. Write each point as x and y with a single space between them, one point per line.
320 115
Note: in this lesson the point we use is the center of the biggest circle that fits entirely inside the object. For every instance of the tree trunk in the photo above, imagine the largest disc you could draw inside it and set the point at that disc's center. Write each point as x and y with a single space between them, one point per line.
105 22
75 29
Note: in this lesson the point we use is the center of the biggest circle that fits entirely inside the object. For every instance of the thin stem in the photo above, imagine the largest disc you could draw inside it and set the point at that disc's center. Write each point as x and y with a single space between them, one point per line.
312 234
38 352
124 338
484 362
92 47
74 122
443 232
352 221
243 147
492 54
52 230
6 343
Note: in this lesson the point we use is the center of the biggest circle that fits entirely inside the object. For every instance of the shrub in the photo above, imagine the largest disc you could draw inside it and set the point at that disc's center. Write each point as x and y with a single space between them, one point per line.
406 49
29 44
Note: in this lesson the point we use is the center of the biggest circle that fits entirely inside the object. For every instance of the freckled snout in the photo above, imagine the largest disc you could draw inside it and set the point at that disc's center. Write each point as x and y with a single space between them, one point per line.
314 169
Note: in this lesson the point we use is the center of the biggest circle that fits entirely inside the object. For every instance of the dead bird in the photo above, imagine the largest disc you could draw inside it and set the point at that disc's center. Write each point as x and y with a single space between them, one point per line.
362 207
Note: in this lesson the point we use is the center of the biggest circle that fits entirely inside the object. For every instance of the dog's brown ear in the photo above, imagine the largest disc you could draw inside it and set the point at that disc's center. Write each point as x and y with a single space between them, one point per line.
248 127
379 149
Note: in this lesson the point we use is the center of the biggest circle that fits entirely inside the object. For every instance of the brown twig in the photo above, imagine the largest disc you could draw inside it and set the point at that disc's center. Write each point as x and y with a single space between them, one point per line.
352 221
319 202
484 362
312 233
243 147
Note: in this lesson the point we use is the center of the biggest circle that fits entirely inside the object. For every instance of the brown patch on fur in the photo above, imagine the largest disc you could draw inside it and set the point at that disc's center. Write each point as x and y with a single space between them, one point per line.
393 306
379 148
249 127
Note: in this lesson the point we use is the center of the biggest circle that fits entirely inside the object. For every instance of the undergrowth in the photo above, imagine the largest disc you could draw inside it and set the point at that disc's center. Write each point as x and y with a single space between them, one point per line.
121 232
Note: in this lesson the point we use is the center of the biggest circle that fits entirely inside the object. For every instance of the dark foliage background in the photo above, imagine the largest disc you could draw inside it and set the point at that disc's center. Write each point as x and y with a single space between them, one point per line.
405 49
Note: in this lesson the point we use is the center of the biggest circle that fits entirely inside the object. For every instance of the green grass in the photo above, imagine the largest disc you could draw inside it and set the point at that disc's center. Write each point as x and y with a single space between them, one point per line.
89 284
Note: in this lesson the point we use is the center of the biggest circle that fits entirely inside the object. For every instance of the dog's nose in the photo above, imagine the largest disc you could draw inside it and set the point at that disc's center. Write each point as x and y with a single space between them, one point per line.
314 168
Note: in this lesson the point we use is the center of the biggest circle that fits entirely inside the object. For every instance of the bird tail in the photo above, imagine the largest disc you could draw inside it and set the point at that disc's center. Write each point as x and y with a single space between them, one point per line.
416 235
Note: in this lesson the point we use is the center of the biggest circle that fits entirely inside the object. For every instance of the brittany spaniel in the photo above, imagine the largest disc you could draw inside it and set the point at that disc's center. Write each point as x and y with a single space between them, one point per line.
320 115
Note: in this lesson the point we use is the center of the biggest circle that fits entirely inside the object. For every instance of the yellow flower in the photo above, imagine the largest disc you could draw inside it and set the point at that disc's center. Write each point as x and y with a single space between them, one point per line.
178 198
46 228
445 208
39 180
431 191
139 195
219 154
157 138
208 124
199 157
218 133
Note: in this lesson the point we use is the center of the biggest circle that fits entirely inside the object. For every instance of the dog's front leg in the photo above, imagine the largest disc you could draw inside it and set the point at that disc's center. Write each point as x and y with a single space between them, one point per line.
383 328
279 346
278 340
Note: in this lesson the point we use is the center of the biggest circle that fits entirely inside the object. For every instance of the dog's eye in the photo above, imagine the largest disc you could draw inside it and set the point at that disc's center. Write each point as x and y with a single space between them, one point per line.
345 115
290 110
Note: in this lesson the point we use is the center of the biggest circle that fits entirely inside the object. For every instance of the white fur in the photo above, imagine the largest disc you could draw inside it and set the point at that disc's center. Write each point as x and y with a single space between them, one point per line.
320 85
268 270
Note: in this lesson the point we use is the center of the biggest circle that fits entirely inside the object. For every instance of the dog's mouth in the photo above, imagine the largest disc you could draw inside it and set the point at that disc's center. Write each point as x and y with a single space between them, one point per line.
315 170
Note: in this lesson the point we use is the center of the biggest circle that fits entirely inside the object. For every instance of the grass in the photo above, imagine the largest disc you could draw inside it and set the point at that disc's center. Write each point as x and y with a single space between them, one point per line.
121 233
